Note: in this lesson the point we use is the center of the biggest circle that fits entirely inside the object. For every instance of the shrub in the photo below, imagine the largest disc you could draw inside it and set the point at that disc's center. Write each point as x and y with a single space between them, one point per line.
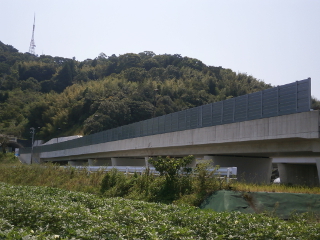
8 158
176 176
116 184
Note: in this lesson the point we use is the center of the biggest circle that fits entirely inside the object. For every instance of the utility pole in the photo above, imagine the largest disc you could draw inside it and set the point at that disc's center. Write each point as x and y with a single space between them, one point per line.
33 130
32 44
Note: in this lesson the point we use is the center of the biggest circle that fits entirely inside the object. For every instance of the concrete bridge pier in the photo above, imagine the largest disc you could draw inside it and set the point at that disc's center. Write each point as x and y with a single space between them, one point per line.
25 158
318 168
249 169
299 170
146 160
36 158
298 174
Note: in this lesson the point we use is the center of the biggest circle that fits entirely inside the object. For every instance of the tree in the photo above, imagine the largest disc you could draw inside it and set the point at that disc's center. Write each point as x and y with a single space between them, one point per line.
172 72
171 168
128 60
47 86
117 110
4 96
146 54
10 82
212 86
30 83
164 105
315 104
140 110
98 122
150 63
4 68
135 74
193 63
38 70
4 140
65 76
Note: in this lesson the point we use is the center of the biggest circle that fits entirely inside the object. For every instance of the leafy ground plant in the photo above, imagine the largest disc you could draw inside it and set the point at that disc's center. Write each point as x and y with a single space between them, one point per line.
49 213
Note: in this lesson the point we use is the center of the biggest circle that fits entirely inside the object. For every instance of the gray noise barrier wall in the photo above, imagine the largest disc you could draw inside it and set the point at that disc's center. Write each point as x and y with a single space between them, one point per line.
286 99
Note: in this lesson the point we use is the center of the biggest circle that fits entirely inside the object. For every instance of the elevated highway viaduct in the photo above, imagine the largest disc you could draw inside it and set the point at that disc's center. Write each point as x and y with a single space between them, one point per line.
290 141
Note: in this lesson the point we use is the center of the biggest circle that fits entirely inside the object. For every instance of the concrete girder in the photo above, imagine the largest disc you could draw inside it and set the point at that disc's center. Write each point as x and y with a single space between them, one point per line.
267 148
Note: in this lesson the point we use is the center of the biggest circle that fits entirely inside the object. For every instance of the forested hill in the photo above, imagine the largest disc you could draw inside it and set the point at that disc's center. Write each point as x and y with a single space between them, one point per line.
60 96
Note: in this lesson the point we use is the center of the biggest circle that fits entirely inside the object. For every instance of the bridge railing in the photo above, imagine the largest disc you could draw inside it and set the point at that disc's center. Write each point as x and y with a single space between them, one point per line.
281 100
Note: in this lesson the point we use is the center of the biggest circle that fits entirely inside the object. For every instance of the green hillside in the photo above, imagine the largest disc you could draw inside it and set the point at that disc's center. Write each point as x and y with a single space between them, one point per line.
60 96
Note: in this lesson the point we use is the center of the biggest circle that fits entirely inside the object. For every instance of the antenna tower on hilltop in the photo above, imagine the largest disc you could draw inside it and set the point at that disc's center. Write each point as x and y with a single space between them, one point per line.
32 45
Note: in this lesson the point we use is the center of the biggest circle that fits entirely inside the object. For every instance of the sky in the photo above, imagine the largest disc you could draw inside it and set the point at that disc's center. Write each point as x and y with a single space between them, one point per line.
275 41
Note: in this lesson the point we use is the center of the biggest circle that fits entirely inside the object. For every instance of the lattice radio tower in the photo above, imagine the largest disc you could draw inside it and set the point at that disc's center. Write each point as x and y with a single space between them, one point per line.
32 45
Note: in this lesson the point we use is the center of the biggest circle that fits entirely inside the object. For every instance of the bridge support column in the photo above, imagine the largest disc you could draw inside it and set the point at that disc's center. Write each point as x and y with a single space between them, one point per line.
99 162
36 158
77 163
300 174
147 164
113 162
197 159
318 168
128 161
25 158
249 169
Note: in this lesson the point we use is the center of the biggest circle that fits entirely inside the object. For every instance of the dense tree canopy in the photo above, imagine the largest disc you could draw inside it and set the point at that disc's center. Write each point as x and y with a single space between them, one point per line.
60 96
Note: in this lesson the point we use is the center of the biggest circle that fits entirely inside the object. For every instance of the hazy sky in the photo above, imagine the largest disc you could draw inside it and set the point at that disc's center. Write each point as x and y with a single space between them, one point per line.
277 41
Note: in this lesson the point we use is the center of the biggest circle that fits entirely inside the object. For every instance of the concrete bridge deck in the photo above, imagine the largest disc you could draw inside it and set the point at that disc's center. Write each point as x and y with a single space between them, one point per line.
251 146
288 135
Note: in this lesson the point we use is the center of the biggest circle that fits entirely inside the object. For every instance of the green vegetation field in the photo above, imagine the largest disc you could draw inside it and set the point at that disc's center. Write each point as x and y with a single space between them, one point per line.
49 202
49 213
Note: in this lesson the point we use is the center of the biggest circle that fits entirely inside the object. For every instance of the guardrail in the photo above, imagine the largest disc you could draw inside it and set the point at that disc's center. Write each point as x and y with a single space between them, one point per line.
227 172
12 138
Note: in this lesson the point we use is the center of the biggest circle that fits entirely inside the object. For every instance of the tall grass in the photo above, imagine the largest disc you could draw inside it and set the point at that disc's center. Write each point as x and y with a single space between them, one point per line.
280 188
52 176
189 189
